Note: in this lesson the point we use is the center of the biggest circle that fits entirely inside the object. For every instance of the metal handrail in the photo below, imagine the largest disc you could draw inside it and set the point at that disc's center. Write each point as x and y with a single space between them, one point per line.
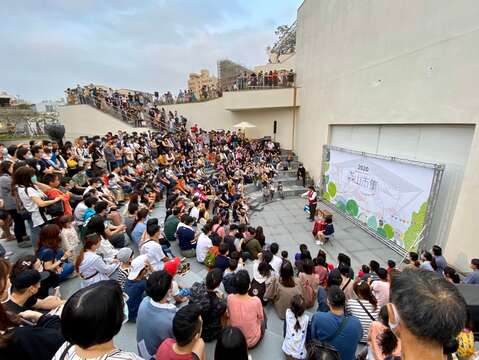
119 113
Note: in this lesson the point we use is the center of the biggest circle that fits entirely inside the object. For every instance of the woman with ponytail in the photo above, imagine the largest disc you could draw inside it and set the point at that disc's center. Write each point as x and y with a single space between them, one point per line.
89 265
364 307
382 343
139 225
295 329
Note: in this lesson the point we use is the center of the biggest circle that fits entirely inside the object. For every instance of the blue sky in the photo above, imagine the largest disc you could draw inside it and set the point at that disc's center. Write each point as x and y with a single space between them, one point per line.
49 45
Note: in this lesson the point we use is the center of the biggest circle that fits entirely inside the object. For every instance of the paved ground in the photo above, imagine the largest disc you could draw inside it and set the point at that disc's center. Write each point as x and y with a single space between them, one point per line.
284 222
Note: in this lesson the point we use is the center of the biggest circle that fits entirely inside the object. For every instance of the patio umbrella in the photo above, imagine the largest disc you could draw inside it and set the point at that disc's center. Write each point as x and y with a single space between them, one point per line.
244 125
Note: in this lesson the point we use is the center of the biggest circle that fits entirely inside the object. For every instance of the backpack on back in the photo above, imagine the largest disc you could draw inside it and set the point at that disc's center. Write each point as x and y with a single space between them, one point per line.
257 289
199 296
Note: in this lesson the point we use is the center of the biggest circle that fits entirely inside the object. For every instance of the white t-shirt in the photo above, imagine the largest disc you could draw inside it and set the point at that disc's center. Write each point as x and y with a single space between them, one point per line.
276 263
114 355
294 341
155 254
195 213
30 205
202 246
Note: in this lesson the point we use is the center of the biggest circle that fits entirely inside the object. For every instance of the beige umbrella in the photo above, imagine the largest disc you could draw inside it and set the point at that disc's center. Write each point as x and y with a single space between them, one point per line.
244 125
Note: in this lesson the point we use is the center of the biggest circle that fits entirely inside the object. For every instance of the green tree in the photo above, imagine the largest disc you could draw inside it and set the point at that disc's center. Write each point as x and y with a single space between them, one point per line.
417 223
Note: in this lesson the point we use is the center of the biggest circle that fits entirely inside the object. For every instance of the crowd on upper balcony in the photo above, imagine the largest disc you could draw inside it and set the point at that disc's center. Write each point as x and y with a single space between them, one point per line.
265 80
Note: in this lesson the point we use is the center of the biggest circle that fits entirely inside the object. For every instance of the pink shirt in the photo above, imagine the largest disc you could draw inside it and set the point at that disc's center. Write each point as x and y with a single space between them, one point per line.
381 292
246 315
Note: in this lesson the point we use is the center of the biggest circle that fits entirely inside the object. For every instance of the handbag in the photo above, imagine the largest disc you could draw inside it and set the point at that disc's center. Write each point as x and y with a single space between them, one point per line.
19 205
55 209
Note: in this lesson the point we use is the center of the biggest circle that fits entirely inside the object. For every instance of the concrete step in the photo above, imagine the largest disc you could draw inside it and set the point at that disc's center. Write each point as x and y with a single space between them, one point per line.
288 191
285 157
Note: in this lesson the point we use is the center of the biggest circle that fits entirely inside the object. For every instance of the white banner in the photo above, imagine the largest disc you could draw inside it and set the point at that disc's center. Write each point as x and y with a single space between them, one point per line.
389 196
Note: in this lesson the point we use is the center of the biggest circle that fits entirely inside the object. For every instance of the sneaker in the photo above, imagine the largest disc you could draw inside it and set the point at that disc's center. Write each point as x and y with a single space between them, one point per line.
319 243
24 244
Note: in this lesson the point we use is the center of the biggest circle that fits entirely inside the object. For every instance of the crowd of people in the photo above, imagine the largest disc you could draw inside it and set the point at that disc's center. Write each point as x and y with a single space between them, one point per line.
264 79
85 209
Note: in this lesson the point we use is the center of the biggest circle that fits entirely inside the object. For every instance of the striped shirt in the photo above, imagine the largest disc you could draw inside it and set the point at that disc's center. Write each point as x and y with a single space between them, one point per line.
353 307
113 355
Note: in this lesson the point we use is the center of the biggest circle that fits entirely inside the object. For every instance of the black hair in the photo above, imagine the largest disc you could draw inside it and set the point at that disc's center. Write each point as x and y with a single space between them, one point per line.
429 306
345 259
233 264
241 282
365 269
391 264
213 279
436 250
452 274
90 201
344 269
96 225
186 324
152 229
133 207
387 340
334 278
414 256
336 297
223 248
189 220
286 274
303 248
158 284
284 254
297 308
382 273
93 315
49 178
374 265
231 345
307 266
100 206
274 248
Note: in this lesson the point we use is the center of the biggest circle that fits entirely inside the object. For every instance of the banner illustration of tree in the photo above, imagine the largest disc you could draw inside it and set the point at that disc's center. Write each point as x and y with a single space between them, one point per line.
390 197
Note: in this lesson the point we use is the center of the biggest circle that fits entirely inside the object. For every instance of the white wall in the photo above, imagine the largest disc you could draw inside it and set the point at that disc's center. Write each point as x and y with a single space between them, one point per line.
82 120
393 62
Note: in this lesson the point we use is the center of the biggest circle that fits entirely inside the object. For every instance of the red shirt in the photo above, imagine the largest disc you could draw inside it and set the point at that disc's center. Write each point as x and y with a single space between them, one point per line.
53 193
166 352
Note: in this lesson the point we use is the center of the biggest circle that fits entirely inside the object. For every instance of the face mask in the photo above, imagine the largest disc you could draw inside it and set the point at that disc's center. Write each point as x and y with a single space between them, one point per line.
34 179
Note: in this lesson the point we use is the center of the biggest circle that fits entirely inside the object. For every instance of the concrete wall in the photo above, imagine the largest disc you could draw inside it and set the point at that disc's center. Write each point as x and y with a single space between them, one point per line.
287 62
81 120
392 62
259 107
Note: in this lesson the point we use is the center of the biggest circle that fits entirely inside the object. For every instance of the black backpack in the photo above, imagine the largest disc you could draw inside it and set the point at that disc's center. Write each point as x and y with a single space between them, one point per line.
257 289
323 350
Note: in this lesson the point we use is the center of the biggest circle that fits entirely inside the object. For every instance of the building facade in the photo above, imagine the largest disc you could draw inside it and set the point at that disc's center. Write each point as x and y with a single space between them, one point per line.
196 81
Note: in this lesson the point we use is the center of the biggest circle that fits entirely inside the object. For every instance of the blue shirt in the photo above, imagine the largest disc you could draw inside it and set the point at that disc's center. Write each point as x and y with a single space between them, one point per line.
154 324
325 324
137 232
134 289
472 278
222 262
185 236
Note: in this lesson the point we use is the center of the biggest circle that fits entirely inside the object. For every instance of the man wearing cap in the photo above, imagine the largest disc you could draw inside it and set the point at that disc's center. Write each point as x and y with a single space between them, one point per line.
25 286
124 257
135 285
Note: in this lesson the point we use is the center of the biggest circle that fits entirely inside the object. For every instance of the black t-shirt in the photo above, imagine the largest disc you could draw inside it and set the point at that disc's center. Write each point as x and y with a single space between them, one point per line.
15 308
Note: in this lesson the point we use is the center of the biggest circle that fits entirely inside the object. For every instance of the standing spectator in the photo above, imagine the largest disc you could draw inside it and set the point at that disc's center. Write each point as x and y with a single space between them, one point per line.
335 328
231 344
282 290
10 203
365 307
439 259
380 288
296 326
382 342
473 277
246 312
427 262
90 319
154 322
187 344
301 173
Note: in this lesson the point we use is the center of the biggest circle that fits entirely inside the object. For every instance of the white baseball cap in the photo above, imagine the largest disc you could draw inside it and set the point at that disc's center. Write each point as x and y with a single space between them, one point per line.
137 265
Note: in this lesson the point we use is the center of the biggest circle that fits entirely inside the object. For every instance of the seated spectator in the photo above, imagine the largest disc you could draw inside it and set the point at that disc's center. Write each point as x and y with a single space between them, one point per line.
152 249
90 319
96 225
213 314
135 285
222 261
263 276
154 322
382 342
69 237
309 282
204 243
250 244
325 235
171 224
53 181
277 261
296 327
380 288
231 344
282 290
419 295
139 226
187 238
89 265
123 258
334 327
364 307
187 344
30 335
473 277
245 311
321 269
114 233
25 286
